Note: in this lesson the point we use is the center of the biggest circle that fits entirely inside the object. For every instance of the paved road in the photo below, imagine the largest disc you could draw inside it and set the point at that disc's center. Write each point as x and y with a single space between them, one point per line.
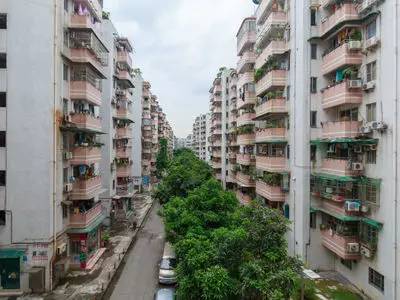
139 276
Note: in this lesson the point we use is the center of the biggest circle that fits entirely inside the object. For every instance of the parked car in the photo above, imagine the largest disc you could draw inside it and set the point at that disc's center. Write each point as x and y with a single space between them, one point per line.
167 273
165 294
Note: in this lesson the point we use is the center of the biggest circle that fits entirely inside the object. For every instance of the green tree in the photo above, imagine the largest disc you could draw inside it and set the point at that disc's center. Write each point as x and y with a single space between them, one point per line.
162 158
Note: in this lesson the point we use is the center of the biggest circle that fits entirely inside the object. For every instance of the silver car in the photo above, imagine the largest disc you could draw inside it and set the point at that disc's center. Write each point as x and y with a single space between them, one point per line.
167 273
164 294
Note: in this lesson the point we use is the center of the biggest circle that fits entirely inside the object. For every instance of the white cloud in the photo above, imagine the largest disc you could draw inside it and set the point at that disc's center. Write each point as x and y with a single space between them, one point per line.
180 45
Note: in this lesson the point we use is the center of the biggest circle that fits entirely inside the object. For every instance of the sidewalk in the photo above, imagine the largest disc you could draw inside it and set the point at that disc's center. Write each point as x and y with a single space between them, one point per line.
92 285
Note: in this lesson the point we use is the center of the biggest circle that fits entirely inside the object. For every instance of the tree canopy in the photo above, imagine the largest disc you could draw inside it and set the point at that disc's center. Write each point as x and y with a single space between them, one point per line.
224 250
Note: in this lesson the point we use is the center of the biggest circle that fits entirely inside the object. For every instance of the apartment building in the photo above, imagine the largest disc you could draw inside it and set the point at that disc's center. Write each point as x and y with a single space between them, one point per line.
200 135
188 141
326 136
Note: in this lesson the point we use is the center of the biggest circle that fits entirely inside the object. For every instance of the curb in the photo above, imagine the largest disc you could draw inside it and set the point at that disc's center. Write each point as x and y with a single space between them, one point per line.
111 275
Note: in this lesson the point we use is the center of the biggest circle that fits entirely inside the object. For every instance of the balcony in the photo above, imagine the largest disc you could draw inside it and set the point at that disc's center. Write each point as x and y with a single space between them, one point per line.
341 94
245 159
216 153
83 189
85 56
124 133
82 220
232 118
339 167
244 180
125 76
277 164
339 245
274 47
216 165
249 100
336 208
275 22
124 152
272 193
123 113
341 129
246 118
216 131
85 155
124 171
273 79
217 110
216 122
86 121
83 90
346 12
218 176
345 55
243 198
126 189
246 139
245 41
247 59
244 78
124 57
268 135
94 6
273 106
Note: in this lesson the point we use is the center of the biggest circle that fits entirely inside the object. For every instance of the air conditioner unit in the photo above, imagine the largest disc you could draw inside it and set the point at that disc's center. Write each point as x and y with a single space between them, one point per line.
366 129
355 84
331 149
357 149
371 43
354 45
381 126
353 247
329 190
67 118
365 252
351 206
68 155
357 167
373 147
61 249
365 209
369 85
374 125
68 187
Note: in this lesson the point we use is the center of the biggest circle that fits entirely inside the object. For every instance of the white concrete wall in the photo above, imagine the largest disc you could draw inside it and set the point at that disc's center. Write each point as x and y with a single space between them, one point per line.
137 128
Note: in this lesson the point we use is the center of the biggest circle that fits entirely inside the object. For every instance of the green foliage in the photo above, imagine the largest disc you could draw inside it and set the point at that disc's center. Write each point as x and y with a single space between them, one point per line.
224 251
356 35
245 129
272 179
162 158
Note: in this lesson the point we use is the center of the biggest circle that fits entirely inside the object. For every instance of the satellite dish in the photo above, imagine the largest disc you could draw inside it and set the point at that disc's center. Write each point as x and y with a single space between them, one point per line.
257 2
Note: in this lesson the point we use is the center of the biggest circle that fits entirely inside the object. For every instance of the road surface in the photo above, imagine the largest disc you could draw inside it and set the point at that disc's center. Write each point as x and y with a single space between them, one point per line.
138 277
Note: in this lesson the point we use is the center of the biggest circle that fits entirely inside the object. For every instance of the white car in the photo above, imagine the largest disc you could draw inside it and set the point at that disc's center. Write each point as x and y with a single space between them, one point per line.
167 273
164 294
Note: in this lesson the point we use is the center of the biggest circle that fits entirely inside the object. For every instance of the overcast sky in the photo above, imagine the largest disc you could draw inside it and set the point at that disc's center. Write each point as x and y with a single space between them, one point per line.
179 46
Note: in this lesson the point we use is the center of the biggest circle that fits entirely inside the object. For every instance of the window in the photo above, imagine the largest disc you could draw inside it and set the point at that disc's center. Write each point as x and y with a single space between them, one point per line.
64 211
313 85
66 38
371 71
288 151
288 93
65 72
313 153
113 184
3 101
2 178
376 279
313 17
2 217
3 61
371 112
3 21
347 263
313 220
2 138
371 29
371 157
313 51
313 119
66 5
65 175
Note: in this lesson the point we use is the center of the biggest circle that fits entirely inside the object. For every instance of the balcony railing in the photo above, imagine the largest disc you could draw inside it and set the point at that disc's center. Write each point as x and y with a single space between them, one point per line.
340 167
124 75
271 163
270 135
245 180
83 55
124 133
273 48
247 39
125 58
347 54
345 12
85 155
249 100
246 118
340 245
86 188
86 121
245 159
95 8
123 113
246 139
124 152
273 106
272 193
248 58
341 129
216 165
125 189
341 94
82 220
262 10
276 21
83 90
244 78
124 171
273 79
216 153
243 198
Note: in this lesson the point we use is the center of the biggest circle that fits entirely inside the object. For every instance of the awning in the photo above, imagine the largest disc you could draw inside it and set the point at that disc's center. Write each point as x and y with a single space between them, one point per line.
77 129
335 177
345 140
343 218
372 223
11 253
273 142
